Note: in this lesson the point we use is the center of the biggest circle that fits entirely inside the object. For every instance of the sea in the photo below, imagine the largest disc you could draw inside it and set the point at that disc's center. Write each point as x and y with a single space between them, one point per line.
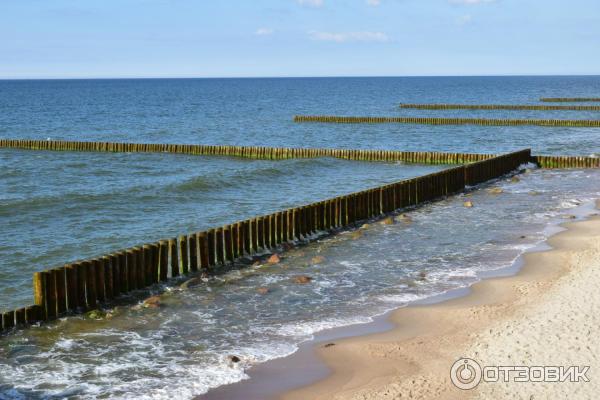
57 207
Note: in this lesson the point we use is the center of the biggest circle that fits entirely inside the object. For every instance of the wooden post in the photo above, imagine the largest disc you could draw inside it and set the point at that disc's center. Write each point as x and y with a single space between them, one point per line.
260 232
123 272
211 238
132 267
33 314
39 291
100 291
266 220
117 273
20 317
183 254
154 251
81 268
50 295
219 245
8 320
174 258
163 266
109 279
143 266
61 295
72 295
245 238
90 284
235 240
279 228
203 247
193 249
228 243
254 228
285 219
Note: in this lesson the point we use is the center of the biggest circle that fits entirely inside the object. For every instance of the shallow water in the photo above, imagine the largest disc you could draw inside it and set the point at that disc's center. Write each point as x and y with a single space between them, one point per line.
57 207
60 207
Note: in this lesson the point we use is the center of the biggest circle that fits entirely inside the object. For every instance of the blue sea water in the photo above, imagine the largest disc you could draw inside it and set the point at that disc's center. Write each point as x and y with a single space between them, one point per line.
58 206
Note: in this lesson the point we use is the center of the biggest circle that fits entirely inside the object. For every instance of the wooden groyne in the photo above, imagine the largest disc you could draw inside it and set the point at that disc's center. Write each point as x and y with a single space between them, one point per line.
498 107
447 121
569 99
253 152
85 285
278 153
566 162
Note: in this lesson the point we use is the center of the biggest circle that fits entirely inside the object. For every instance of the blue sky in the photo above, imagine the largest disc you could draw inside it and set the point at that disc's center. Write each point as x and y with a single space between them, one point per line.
240 38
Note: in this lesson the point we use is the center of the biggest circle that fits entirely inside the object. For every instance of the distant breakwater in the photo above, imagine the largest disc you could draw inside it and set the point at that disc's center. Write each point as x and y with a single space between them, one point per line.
569 99
282 153
447 121
532 107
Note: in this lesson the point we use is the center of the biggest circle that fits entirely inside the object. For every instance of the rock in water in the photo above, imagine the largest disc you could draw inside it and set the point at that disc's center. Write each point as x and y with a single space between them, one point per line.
318 260
152 302
356 235
262 290
404 218
302 279
234 359
515 179
96 314
495 190
191 283
387 221
274 259
468 204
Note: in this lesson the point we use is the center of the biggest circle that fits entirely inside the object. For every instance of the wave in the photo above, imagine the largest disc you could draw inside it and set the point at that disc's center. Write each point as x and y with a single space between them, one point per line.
259 171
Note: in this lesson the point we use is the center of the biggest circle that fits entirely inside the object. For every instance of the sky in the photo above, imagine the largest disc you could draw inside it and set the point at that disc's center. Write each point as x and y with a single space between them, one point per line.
275 38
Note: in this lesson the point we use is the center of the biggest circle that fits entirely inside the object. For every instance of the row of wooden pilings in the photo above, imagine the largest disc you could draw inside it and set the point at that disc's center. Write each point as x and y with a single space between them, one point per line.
84 285
277 153
569 99
447 121
543 107
254 152
566 162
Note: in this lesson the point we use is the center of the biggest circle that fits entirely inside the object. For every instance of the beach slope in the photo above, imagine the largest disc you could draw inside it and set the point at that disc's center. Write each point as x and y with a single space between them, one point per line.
546 315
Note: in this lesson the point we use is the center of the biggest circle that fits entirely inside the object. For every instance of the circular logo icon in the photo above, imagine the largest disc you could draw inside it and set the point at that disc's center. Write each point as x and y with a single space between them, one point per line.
465 373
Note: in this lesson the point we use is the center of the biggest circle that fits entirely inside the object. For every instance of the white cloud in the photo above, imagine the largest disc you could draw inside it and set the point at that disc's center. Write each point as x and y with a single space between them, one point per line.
374 3
470 2
341 37
264 31
311 3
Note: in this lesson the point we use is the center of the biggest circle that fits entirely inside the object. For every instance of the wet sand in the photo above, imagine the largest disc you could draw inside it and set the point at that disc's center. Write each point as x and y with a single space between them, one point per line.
547 314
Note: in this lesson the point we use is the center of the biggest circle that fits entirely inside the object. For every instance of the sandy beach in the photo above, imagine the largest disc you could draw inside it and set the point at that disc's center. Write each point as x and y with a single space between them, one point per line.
546 315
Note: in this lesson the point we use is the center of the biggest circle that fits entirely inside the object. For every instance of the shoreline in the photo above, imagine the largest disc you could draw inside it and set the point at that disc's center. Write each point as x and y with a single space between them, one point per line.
319 371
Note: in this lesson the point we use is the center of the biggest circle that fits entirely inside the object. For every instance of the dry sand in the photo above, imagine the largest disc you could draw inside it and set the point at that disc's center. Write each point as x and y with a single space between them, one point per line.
548 314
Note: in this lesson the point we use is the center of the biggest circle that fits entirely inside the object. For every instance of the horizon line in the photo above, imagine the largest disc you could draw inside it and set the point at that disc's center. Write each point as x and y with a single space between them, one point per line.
286 77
